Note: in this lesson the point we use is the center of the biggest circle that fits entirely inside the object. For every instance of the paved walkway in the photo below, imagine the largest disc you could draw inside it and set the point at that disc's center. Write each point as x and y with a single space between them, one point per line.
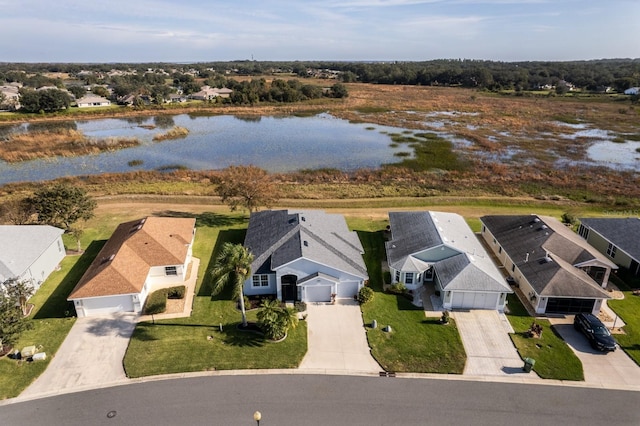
337 341
489 349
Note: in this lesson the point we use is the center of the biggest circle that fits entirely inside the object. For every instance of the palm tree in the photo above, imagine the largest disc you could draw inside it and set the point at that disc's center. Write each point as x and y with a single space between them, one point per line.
275 320
232 267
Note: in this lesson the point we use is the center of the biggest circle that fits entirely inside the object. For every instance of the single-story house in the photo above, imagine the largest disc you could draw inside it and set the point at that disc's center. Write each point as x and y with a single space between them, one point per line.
175 98
140 257
632 91
557 271
439 249
92 101
30 252
207 93
303 255
616 238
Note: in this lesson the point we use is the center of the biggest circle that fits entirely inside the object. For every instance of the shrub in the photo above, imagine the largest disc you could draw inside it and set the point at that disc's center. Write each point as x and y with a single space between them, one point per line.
398 288
365 295
300 306
156 302
176 292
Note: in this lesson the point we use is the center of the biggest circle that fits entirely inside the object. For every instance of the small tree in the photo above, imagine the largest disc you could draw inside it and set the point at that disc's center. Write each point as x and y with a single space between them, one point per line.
248 187
20 291
62 205
232 267
12 319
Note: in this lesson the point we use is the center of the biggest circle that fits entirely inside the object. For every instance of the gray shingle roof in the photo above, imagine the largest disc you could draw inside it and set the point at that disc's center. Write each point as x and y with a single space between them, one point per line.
278 237
622 232
445 241
21 245
546 251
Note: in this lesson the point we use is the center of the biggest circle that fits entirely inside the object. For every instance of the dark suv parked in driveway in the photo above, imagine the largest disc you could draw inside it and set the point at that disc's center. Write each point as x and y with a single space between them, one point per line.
598 335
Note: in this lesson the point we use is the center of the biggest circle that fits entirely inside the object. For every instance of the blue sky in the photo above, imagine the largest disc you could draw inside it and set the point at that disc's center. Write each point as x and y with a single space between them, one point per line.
214 30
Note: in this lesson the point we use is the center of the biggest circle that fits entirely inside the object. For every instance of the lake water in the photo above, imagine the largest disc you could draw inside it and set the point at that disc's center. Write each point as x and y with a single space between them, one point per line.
276 144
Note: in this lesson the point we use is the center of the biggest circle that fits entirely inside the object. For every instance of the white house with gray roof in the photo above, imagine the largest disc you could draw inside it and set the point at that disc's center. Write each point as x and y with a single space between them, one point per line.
303 255
439 249
30 252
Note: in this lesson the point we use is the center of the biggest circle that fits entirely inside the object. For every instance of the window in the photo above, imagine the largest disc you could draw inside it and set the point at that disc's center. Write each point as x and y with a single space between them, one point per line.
611 251
583 231
170 270
397 276
261 280
408 278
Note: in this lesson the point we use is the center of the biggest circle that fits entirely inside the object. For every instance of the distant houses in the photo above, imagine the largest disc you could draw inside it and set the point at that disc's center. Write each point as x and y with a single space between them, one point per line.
89 101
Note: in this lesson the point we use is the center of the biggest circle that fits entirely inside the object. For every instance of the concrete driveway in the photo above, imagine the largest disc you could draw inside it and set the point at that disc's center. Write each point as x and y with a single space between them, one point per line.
337 340
90 356
610 370
489 349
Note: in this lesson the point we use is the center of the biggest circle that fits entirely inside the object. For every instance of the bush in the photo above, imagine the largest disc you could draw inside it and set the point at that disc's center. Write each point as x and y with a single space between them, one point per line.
156 302
300 306
398 288
365 295
176 292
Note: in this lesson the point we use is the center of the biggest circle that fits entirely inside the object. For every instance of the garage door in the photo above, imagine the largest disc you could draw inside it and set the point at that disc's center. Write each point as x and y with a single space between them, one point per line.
317 293
347 289
468 300
107 305
561 305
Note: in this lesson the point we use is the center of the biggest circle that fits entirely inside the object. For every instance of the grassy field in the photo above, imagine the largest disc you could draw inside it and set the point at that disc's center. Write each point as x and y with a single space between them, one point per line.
196 343
553 357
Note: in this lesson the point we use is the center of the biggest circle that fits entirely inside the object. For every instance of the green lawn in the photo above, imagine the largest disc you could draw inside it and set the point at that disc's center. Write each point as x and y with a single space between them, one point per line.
51 323
196 343
554 359
629 310
416 344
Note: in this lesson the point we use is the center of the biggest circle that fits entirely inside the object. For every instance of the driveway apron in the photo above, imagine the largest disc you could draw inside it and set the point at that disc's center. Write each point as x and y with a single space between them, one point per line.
609 370
489 349
90 356
337 340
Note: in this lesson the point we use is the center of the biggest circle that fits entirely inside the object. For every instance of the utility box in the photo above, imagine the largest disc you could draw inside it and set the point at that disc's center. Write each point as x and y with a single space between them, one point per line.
528 364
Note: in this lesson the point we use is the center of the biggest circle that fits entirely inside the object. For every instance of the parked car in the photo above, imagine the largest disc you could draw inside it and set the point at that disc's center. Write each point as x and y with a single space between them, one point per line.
598 335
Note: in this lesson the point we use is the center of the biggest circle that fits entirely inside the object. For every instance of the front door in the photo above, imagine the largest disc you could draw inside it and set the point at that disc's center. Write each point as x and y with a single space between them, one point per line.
289 288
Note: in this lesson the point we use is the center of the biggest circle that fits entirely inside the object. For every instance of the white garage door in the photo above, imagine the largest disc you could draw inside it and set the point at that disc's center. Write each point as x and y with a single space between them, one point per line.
347 289
317 293
107 305
468 300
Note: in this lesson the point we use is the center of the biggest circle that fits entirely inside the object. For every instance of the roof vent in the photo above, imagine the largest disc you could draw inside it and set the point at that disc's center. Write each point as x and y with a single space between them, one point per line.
536 219
303 219
306 243
544 227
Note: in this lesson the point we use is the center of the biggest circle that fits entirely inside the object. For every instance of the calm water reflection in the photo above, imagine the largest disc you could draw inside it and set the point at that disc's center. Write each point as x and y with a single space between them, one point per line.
277 144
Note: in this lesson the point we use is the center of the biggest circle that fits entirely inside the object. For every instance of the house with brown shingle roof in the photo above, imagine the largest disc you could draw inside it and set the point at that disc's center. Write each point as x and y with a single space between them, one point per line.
140 257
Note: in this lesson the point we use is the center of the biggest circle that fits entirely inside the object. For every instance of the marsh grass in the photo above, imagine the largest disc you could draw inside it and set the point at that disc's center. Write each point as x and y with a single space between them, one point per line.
62 142
176 132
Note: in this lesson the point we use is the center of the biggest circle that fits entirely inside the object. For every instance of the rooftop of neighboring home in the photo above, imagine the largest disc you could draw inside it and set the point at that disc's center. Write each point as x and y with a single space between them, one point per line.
21 245
549 254
123 264
445 240
623 232
277 237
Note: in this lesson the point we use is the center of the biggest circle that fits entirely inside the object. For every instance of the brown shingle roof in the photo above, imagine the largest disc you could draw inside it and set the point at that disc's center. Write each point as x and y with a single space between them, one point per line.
123 264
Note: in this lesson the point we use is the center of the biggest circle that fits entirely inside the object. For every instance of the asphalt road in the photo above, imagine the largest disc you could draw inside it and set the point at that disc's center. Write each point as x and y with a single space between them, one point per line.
328 400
